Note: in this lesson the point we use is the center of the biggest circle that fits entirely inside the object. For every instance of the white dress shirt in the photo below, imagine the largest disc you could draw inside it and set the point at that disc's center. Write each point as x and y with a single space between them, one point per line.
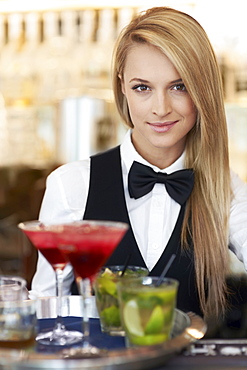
152 216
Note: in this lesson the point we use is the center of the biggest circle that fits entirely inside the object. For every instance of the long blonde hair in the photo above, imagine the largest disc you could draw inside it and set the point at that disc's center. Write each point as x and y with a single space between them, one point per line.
181 38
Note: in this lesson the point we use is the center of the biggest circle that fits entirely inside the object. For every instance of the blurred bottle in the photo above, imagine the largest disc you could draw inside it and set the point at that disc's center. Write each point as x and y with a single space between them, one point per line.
58 71
20 82
17 81
97 58
17 74
86 29
124 16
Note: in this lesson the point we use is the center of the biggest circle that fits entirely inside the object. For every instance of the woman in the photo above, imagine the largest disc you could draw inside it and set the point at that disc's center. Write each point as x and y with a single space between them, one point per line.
168 91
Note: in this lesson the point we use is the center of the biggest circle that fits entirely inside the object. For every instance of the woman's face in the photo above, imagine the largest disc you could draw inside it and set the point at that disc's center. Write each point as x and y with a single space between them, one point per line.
161 109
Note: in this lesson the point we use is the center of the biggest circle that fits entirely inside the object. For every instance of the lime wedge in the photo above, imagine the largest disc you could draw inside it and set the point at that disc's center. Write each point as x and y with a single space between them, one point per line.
111 316
132 318
106 284
107 273
155 322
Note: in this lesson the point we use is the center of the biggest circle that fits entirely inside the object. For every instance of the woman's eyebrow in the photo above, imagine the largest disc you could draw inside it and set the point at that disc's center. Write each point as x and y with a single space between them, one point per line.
146 81
139 80
176 81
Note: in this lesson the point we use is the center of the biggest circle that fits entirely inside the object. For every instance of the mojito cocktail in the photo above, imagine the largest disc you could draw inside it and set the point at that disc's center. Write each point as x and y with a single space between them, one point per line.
107 298
147 310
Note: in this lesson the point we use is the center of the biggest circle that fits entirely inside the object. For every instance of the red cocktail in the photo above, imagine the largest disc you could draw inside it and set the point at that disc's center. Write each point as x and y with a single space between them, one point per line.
87 245
46 243
45 240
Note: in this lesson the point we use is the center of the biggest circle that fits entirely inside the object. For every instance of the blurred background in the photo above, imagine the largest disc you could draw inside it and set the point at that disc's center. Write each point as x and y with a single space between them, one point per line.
56 101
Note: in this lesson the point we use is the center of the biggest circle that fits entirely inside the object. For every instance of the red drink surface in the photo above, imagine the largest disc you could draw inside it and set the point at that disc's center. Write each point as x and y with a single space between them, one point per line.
46 243
88 247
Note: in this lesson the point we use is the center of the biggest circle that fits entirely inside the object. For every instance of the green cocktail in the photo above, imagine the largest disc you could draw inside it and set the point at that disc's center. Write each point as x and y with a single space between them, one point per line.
107 297
147 310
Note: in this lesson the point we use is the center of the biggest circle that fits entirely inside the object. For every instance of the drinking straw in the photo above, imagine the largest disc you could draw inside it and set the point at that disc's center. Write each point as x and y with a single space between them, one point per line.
125 265
164 272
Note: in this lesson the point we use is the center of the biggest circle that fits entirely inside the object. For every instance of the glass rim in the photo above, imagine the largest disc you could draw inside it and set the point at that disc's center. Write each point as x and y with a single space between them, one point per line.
120 267
32 224
19 303
139 281
13 277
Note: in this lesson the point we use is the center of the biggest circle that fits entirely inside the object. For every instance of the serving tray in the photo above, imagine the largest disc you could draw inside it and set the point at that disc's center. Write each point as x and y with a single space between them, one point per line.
187 329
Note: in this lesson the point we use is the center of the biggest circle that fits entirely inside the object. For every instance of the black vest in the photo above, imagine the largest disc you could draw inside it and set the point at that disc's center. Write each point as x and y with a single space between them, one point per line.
106 201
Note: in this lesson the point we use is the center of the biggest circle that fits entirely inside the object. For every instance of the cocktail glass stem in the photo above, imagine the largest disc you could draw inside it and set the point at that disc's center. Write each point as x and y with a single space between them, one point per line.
59 335
59 327
84 286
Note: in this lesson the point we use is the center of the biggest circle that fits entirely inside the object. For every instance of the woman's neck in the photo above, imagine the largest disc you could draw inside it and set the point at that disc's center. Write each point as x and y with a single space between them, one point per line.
159 157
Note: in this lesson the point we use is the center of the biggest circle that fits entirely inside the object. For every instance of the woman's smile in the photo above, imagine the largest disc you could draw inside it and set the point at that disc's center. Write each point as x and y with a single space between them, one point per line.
162 127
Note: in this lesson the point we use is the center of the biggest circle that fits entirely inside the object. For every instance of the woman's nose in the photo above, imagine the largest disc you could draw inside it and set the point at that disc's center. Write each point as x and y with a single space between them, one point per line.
161 104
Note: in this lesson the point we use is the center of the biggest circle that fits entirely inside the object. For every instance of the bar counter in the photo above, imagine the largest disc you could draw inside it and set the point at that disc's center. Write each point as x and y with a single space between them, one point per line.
183 352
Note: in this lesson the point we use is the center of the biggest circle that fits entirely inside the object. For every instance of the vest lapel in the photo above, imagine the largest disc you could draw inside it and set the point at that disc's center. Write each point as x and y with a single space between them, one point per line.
106 201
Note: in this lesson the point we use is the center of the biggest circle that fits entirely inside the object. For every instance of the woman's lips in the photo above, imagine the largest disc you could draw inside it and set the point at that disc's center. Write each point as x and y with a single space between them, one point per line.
162 127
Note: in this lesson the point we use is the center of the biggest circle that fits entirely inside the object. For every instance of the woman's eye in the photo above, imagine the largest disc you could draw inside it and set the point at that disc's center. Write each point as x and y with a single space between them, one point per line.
140 88
179 87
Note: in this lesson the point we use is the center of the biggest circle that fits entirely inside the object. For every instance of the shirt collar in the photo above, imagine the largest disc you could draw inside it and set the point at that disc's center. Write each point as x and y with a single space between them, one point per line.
129 155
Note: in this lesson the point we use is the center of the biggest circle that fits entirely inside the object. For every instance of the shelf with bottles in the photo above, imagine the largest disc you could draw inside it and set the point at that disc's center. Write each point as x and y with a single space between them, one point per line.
50 56
47 57
54 54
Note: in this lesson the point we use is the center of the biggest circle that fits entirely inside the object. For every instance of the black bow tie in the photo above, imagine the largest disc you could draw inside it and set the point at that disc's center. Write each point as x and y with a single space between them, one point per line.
142 179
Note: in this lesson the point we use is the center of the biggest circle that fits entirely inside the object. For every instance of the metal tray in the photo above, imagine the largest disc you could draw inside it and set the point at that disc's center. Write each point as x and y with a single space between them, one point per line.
187 329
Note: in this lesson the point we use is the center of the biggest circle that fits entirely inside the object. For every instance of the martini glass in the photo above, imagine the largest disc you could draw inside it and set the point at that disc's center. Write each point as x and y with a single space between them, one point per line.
44 239
87 245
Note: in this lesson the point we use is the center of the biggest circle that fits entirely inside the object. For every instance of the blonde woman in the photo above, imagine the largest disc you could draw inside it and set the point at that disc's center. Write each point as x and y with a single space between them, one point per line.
168 91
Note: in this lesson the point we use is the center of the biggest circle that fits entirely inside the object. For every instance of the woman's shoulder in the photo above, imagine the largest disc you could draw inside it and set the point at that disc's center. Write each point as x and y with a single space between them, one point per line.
75 168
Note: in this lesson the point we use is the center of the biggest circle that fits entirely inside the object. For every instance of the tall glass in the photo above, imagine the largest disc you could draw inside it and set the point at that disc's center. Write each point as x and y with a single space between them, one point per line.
106 297
87 245
147 309
44 239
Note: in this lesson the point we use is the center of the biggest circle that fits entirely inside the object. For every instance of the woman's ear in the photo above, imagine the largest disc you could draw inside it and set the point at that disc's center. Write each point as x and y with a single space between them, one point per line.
122 83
